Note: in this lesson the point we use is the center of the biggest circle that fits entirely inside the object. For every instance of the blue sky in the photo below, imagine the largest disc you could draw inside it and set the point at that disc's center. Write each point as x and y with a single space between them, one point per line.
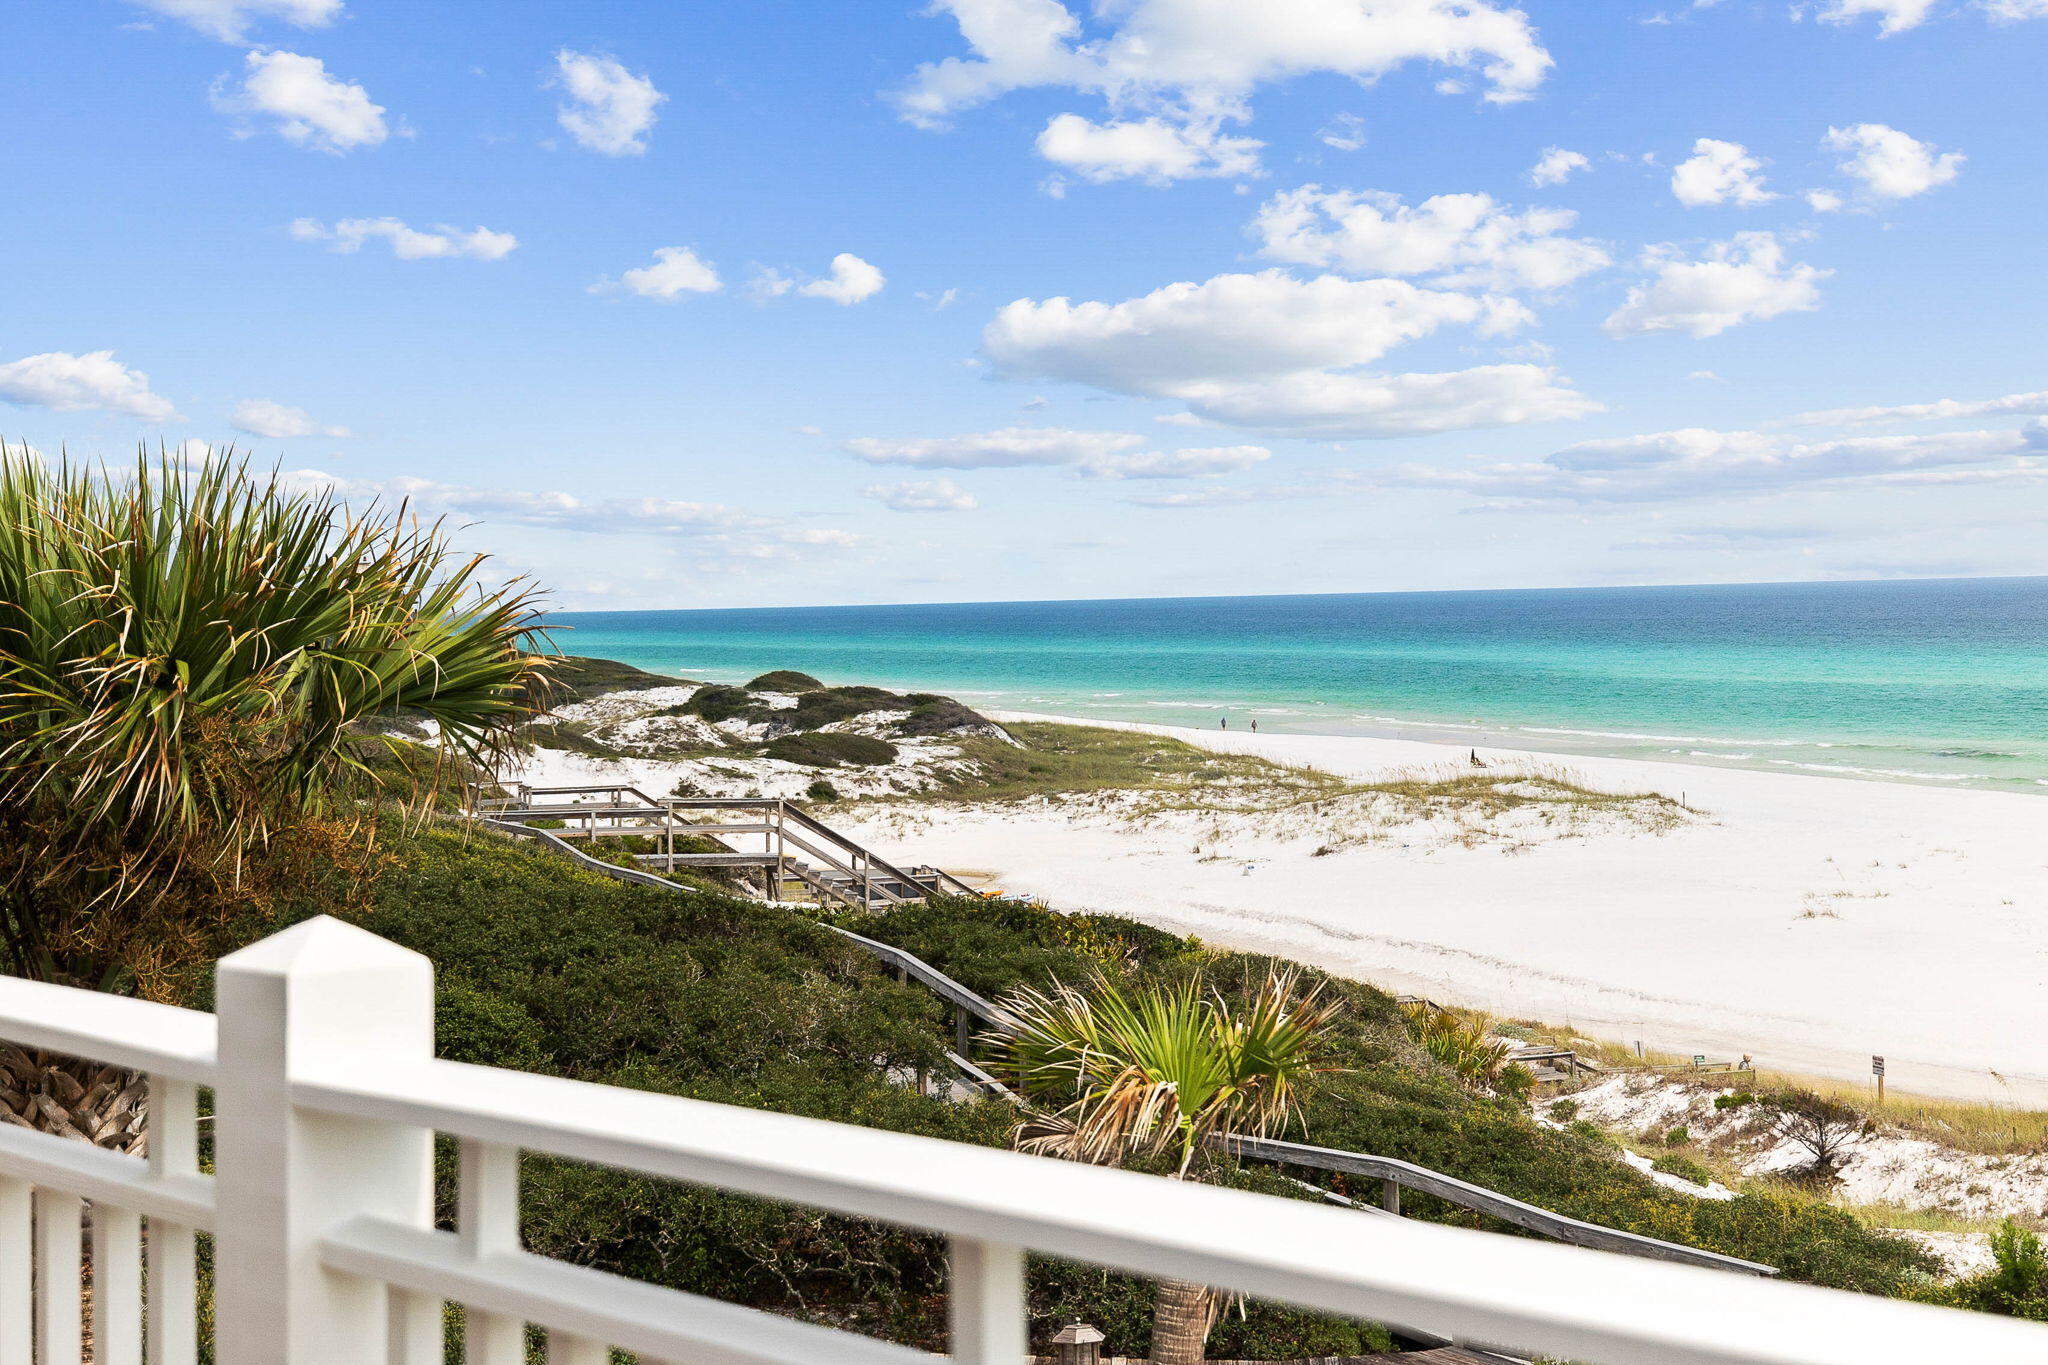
675 304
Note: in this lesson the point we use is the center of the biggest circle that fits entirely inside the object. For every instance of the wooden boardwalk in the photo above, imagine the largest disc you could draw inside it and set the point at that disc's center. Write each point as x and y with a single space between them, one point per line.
773 846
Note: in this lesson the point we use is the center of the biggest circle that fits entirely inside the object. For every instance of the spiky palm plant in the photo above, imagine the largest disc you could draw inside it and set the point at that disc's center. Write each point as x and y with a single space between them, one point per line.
1466 1046
1159 1072
184 651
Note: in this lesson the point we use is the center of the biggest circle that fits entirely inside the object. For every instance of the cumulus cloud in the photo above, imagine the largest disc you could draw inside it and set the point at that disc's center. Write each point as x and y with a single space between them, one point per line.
1893 16
1824 201
230 20
1274 353
676 271
1719 172
304 103
852 279
63 382
1460 240
1744 279
922 495
261 417
609 109
2012 405
1891 164
1702 463
1556 166
1211 54
2011 11
409 243
1154 150
1195 63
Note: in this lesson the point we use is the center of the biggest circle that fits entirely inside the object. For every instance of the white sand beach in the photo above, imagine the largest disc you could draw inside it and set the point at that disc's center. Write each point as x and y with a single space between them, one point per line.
1808 921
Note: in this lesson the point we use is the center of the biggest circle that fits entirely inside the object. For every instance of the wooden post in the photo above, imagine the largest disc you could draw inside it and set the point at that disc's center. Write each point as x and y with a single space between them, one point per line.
1390 1196
961 1037
1078 1343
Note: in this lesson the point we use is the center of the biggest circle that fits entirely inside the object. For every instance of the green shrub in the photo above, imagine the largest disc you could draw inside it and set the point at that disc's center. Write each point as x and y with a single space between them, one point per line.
2018 1286
821 790
1684 1167
1564 1111
784 680
830 705
1677 1137
831 749
718 702
939 716
1734 1101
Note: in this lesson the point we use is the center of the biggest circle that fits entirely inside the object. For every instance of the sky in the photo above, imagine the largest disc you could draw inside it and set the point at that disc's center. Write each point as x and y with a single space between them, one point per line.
687 304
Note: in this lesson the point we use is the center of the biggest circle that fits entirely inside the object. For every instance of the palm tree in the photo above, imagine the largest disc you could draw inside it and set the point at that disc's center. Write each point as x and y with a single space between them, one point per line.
1159 1072
1465 1045
186 653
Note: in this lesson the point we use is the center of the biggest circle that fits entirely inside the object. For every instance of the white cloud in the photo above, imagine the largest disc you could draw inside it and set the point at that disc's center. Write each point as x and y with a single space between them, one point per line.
63 382
1337 406
1556 166
1155 150
1098 454
409 243
1465 240
2011 405
1824 201
1227 327
309 106
553 510
261 417
676 271
922 495
1346 132
852 280
1744 279
1207 56
229 20
1701 463
609 109
1201 463
2011 11
1891 164
1009 448
1893 16
1719 172
1276 353
1196 63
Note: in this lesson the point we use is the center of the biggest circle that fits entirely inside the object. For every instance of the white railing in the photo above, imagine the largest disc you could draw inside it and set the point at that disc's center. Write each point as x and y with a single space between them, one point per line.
327 1096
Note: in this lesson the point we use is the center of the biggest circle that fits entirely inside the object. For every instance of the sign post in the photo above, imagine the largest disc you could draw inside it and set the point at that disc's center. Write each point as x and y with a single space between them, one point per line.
1877 1070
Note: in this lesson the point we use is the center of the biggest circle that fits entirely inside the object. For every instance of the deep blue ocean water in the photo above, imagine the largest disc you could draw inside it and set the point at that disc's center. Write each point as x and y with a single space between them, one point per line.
1942 680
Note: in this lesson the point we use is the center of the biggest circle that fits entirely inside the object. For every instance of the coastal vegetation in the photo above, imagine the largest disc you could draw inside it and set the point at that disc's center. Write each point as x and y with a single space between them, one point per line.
186 655
212 692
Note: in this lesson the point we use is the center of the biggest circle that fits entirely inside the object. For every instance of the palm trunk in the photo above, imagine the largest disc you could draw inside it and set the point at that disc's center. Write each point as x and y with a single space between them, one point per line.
1182 1315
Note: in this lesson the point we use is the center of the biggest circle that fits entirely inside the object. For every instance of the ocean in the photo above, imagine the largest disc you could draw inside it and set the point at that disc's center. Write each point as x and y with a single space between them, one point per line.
1929 680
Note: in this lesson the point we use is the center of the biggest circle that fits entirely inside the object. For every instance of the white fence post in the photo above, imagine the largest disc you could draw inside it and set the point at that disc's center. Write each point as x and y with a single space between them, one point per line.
321 994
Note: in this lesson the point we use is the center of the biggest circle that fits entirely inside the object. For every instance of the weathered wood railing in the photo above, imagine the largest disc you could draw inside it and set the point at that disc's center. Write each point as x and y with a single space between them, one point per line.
327 1097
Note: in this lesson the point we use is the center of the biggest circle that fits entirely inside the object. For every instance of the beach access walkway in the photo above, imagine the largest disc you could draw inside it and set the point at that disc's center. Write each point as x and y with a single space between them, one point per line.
771 846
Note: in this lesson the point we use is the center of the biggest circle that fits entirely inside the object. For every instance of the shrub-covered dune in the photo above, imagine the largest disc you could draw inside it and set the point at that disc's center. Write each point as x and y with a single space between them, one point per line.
546 967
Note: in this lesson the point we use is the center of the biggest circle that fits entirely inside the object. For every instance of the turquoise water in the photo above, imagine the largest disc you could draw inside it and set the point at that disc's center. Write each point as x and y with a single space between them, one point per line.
1928 680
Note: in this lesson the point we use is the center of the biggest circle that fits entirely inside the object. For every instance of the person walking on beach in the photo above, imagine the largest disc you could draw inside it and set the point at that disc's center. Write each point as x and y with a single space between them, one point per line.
1255 724
1225 722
